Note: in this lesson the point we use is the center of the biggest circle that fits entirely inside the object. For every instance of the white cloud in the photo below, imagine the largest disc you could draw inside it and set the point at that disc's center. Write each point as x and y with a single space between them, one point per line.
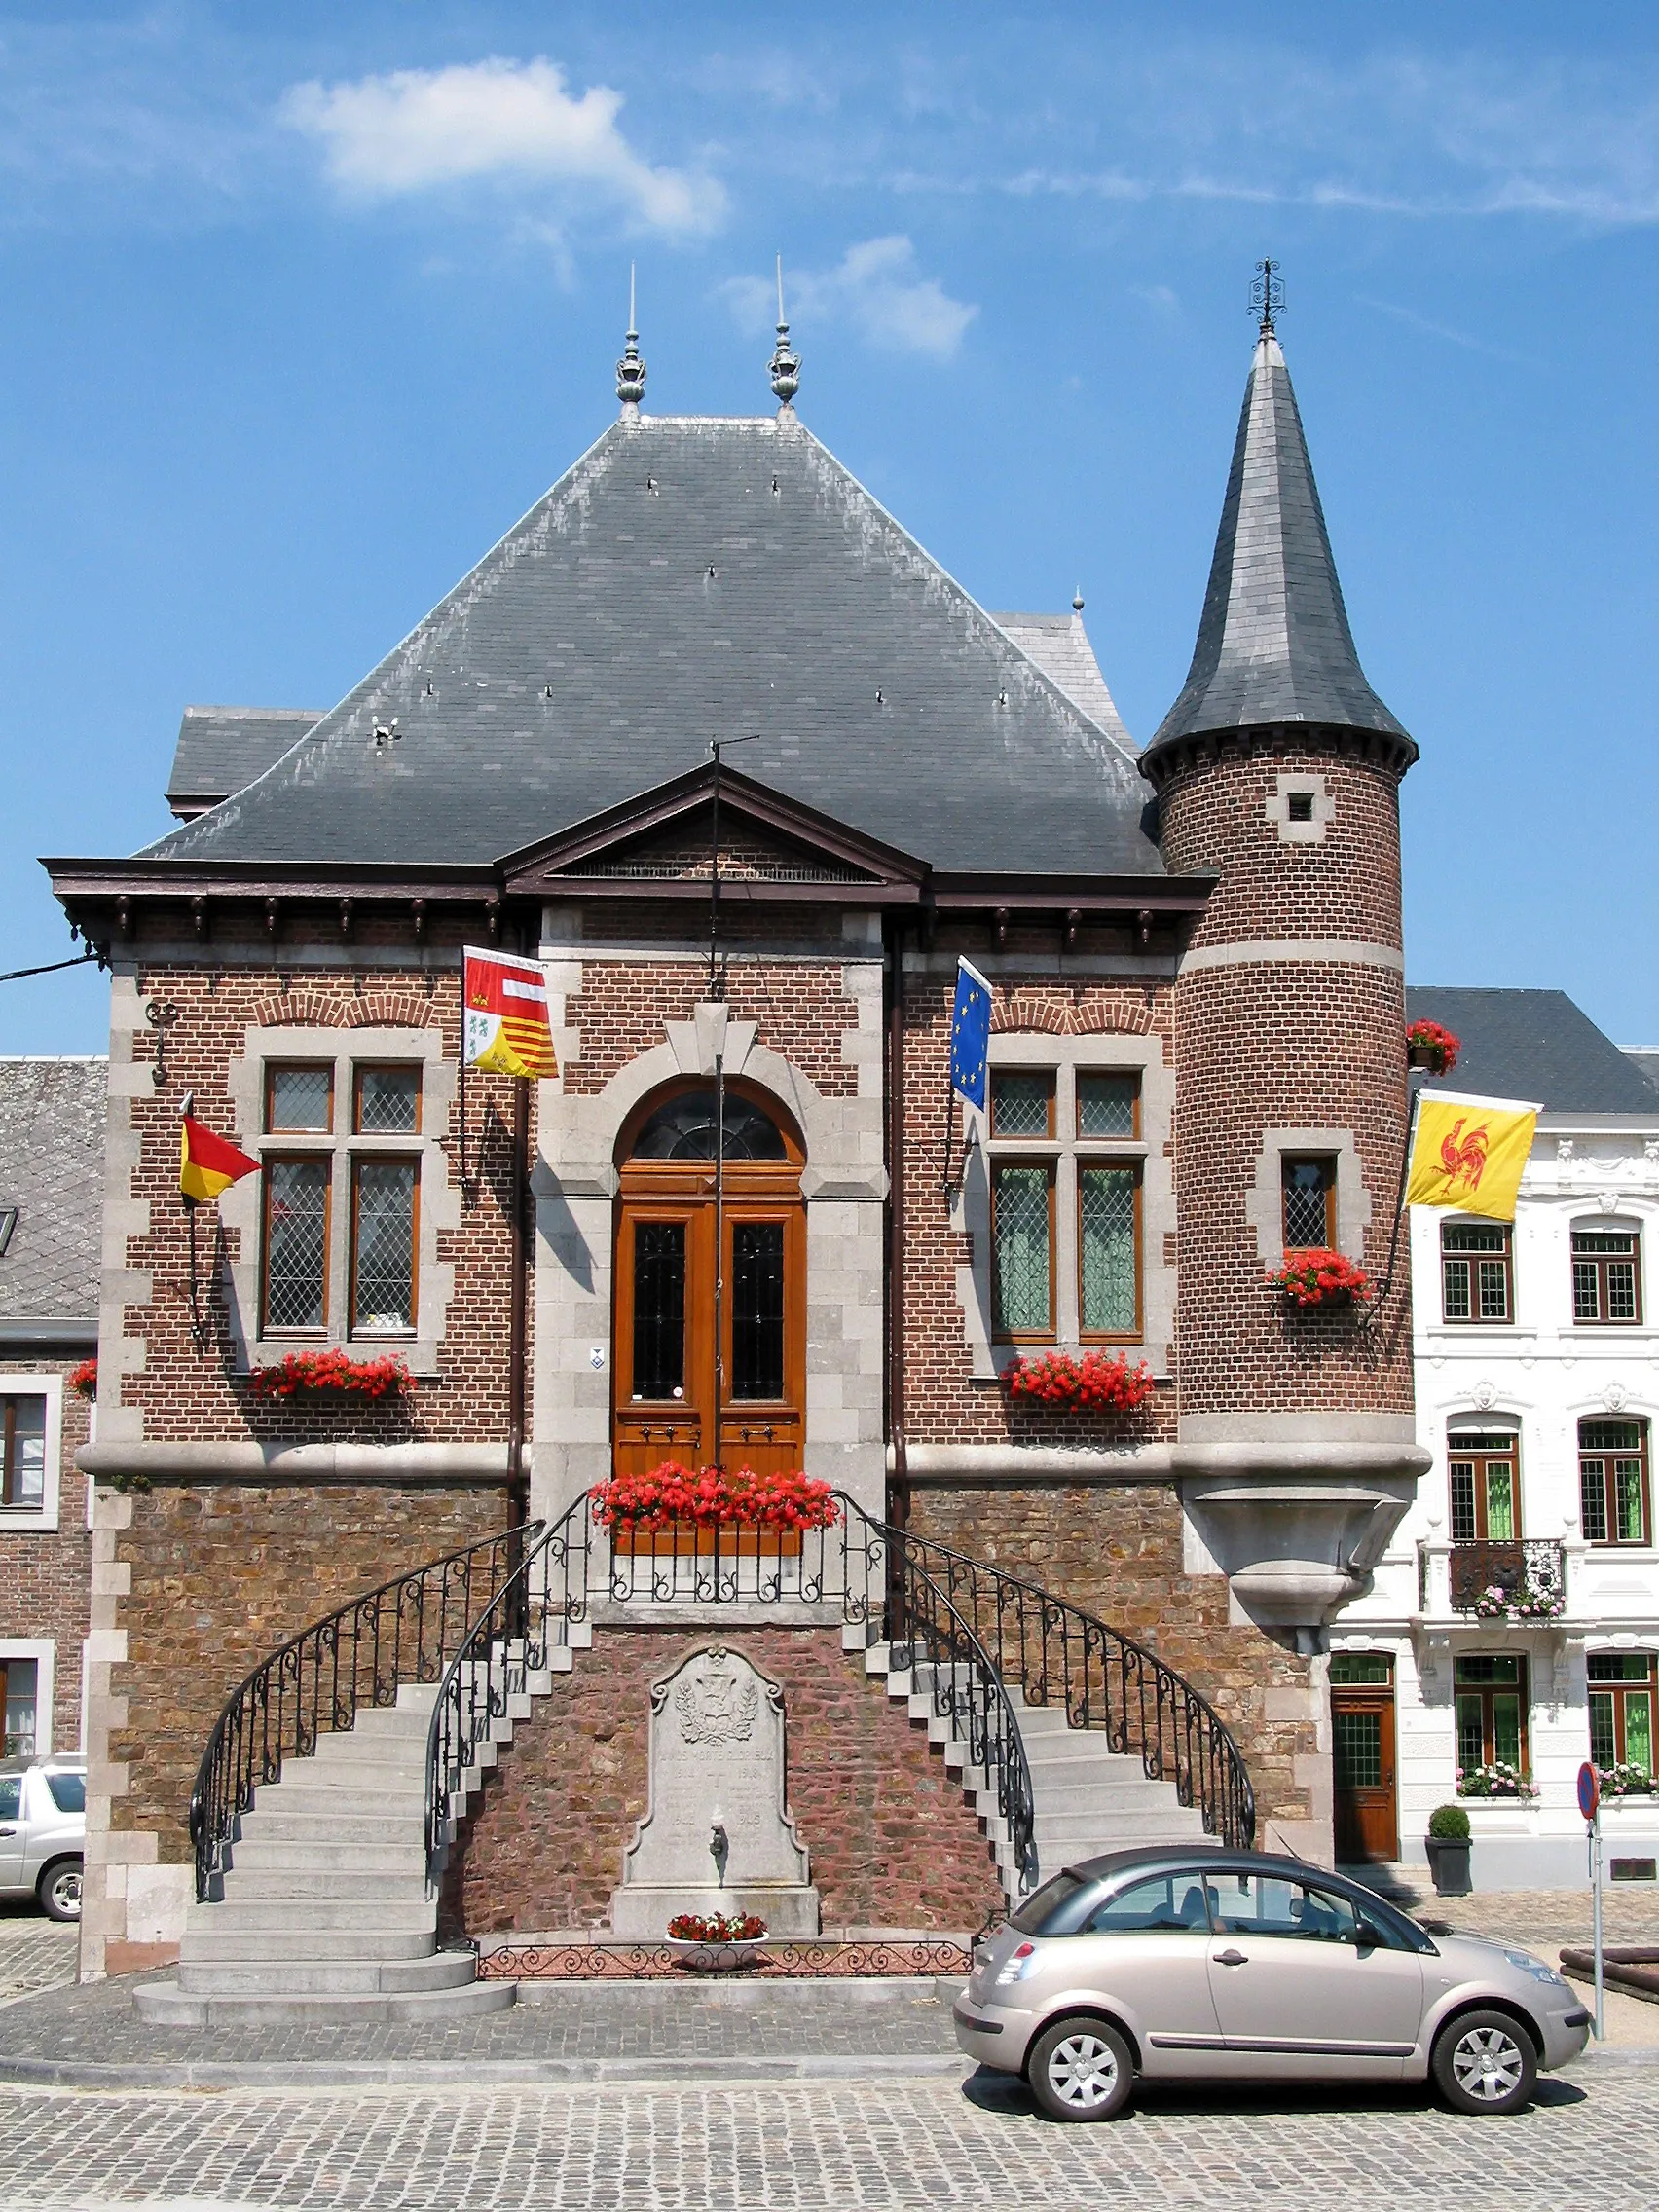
507 122
875 288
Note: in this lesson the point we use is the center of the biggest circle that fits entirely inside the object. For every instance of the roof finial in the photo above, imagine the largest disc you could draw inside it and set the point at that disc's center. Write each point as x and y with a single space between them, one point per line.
785 365
1077 600
1266 295
630 369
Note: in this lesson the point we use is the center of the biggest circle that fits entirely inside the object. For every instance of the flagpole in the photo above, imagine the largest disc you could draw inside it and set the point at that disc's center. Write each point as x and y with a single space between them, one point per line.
517 1501
1415 1096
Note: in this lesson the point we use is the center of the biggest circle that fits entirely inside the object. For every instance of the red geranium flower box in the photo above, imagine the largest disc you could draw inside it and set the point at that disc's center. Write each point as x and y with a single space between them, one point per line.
316 1374
83 1380
699 1503
1319 1276
1428 1046
1100 1380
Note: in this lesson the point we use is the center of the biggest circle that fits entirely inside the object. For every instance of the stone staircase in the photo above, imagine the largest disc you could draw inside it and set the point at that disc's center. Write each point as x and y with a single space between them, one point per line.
1086 1798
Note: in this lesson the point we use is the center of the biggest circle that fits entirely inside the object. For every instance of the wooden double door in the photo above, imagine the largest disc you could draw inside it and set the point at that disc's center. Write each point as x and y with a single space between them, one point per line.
710 1354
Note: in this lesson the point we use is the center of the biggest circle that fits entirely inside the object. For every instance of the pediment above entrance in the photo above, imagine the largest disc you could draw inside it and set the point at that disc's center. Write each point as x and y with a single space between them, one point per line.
662 844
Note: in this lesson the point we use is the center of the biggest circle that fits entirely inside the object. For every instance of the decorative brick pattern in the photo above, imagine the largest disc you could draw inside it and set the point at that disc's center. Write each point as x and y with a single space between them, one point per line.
798 1010
892 1841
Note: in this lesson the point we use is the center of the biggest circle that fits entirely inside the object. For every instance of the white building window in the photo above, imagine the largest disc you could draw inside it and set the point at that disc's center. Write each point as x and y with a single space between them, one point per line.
31 1408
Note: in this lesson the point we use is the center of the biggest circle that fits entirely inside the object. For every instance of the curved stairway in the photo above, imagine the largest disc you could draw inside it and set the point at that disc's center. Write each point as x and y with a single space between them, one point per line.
318 1859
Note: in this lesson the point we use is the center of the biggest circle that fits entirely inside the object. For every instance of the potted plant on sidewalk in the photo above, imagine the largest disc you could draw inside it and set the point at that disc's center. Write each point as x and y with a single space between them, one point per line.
1448 1846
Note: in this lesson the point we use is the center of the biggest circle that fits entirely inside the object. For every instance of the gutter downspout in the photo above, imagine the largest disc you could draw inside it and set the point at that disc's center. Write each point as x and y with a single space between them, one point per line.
898 1482
518 1488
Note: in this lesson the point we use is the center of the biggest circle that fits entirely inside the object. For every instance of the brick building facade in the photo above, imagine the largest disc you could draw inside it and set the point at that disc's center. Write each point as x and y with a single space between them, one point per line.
1196 999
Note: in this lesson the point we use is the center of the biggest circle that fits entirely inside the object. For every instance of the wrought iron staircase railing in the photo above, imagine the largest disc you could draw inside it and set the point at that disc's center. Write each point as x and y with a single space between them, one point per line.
405 1631
1104 1679
860 1565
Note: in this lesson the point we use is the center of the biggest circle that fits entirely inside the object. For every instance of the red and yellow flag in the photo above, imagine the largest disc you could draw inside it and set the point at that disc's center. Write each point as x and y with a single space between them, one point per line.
1468 1152
208 1165
508 1026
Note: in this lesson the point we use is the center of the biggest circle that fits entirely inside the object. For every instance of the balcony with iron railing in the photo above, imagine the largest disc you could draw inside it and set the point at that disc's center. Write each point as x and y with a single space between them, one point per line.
1515 1580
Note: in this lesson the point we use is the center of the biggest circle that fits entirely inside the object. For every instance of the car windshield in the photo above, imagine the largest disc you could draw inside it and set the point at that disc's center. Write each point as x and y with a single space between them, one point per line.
68 1791
1045 1906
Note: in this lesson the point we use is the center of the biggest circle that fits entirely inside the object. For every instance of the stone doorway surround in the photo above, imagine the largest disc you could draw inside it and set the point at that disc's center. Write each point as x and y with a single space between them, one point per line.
844 1183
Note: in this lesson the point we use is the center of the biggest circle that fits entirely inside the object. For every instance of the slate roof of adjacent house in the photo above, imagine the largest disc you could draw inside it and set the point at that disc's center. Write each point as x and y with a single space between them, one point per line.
1274 640
52 1171
1535 1045
693 578
1059 645
1644 1059
220 749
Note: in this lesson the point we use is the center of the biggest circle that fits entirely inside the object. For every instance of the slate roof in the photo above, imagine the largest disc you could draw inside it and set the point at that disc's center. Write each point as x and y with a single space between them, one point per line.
1273 640
220 749
692 577
1533 1045
1059 645
51 1170
1645 1059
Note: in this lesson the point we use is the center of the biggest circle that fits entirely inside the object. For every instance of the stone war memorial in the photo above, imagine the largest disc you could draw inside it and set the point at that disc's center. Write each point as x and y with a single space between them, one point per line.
721 1344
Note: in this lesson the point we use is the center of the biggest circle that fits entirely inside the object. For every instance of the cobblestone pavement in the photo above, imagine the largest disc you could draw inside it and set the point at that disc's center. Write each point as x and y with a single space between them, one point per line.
35 1953
1541 1919
889 2147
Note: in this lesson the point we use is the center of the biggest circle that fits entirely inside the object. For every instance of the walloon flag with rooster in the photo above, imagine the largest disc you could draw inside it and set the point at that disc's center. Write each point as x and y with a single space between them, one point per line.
509 1027
1468 1152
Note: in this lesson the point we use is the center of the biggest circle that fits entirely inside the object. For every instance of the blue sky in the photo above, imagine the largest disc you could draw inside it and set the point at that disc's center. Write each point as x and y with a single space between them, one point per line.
301 306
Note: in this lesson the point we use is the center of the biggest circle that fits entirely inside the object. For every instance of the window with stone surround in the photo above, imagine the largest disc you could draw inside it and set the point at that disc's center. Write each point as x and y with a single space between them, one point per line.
1606 1275
30 1418
1077 1118
1476 1277
1614 1500
315 1154
1308 1185
1485 1475
1490 1695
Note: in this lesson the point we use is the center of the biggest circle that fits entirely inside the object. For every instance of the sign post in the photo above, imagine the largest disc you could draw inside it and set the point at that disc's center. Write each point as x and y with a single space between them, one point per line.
1590 1805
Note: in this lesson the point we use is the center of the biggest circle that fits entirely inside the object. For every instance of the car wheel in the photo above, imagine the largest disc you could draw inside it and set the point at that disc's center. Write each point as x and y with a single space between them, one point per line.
60 1890
1484 2062
1081 2069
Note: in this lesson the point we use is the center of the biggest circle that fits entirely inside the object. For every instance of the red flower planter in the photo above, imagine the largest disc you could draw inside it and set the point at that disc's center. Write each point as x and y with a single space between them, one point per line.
1100 1380
1319 1276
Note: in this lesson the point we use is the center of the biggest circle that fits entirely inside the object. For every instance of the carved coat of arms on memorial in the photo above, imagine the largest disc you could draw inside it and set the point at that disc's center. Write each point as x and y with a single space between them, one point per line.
717 1706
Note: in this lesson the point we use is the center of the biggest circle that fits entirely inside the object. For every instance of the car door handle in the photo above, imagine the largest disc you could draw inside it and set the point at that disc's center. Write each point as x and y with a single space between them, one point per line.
1231 1959
8 1831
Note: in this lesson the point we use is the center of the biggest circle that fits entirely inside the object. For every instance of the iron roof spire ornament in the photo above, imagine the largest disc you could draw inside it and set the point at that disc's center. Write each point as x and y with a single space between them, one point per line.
631 369
785 365
1266 295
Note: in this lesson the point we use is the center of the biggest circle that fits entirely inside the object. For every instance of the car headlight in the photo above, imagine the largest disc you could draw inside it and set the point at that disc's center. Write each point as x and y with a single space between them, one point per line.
1536 1968
1017 1965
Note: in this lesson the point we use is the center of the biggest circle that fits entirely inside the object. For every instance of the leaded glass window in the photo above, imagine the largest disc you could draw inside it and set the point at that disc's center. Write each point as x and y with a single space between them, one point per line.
1108 1105
388 1101
1022 1250
296 1243
1310 1190
299 1101
1022 1105
659 1309
684 1129
758 1310
1107 1198
382 1271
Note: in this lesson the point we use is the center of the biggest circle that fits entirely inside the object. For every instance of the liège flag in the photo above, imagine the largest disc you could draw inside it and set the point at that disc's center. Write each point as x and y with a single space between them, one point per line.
207 1164
1468 1152
509 1027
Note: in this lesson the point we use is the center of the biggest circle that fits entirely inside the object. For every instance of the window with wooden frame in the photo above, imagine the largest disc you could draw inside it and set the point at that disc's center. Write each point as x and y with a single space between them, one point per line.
1308 1183
1022 1102
1022 1249
1622 1690
1606 1275
384 1206
294 1246
386 1100
299 1098
22 1451
1490 1695
1485 1475
1476 1271
1615 1503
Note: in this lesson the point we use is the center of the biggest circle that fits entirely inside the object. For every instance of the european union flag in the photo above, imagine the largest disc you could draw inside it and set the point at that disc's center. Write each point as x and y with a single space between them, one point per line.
970 1034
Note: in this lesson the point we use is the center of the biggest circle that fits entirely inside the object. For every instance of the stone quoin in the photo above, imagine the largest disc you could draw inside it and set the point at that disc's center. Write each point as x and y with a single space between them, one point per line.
739 1244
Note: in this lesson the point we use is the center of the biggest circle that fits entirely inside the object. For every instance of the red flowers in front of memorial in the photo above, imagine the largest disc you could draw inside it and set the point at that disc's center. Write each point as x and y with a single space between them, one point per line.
1319 1276
1100 1380
716 1927
713 1498
314 1373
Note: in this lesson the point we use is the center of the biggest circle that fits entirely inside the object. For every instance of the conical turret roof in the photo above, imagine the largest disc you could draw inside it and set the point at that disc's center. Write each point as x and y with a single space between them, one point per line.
1273 643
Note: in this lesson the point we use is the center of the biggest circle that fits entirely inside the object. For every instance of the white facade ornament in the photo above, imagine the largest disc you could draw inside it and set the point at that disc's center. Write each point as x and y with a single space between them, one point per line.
1651 1152
1613 1397
1607 1202
1564 1147
1486 1397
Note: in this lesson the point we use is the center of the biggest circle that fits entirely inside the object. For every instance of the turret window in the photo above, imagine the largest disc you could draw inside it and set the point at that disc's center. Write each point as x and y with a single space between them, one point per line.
1309 1187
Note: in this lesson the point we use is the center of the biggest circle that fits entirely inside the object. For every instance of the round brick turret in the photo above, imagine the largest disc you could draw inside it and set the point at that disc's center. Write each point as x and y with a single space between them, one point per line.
1277 770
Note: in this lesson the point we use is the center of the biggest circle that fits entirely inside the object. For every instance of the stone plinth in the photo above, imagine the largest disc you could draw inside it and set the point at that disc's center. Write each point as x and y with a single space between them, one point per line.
716 1837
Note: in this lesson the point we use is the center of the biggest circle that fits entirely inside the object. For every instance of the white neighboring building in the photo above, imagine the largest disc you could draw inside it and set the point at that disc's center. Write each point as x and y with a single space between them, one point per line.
1538 1392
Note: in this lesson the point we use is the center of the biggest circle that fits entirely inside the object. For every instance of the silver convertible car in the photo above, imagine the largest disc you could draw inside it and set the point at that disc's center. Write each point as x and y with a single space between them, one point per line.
1205 1965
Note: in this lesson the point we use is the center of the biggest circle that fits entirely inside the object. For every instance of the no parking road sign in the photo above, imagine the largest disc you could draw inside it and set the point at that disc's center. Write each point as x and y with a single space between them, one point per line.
1589 1790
